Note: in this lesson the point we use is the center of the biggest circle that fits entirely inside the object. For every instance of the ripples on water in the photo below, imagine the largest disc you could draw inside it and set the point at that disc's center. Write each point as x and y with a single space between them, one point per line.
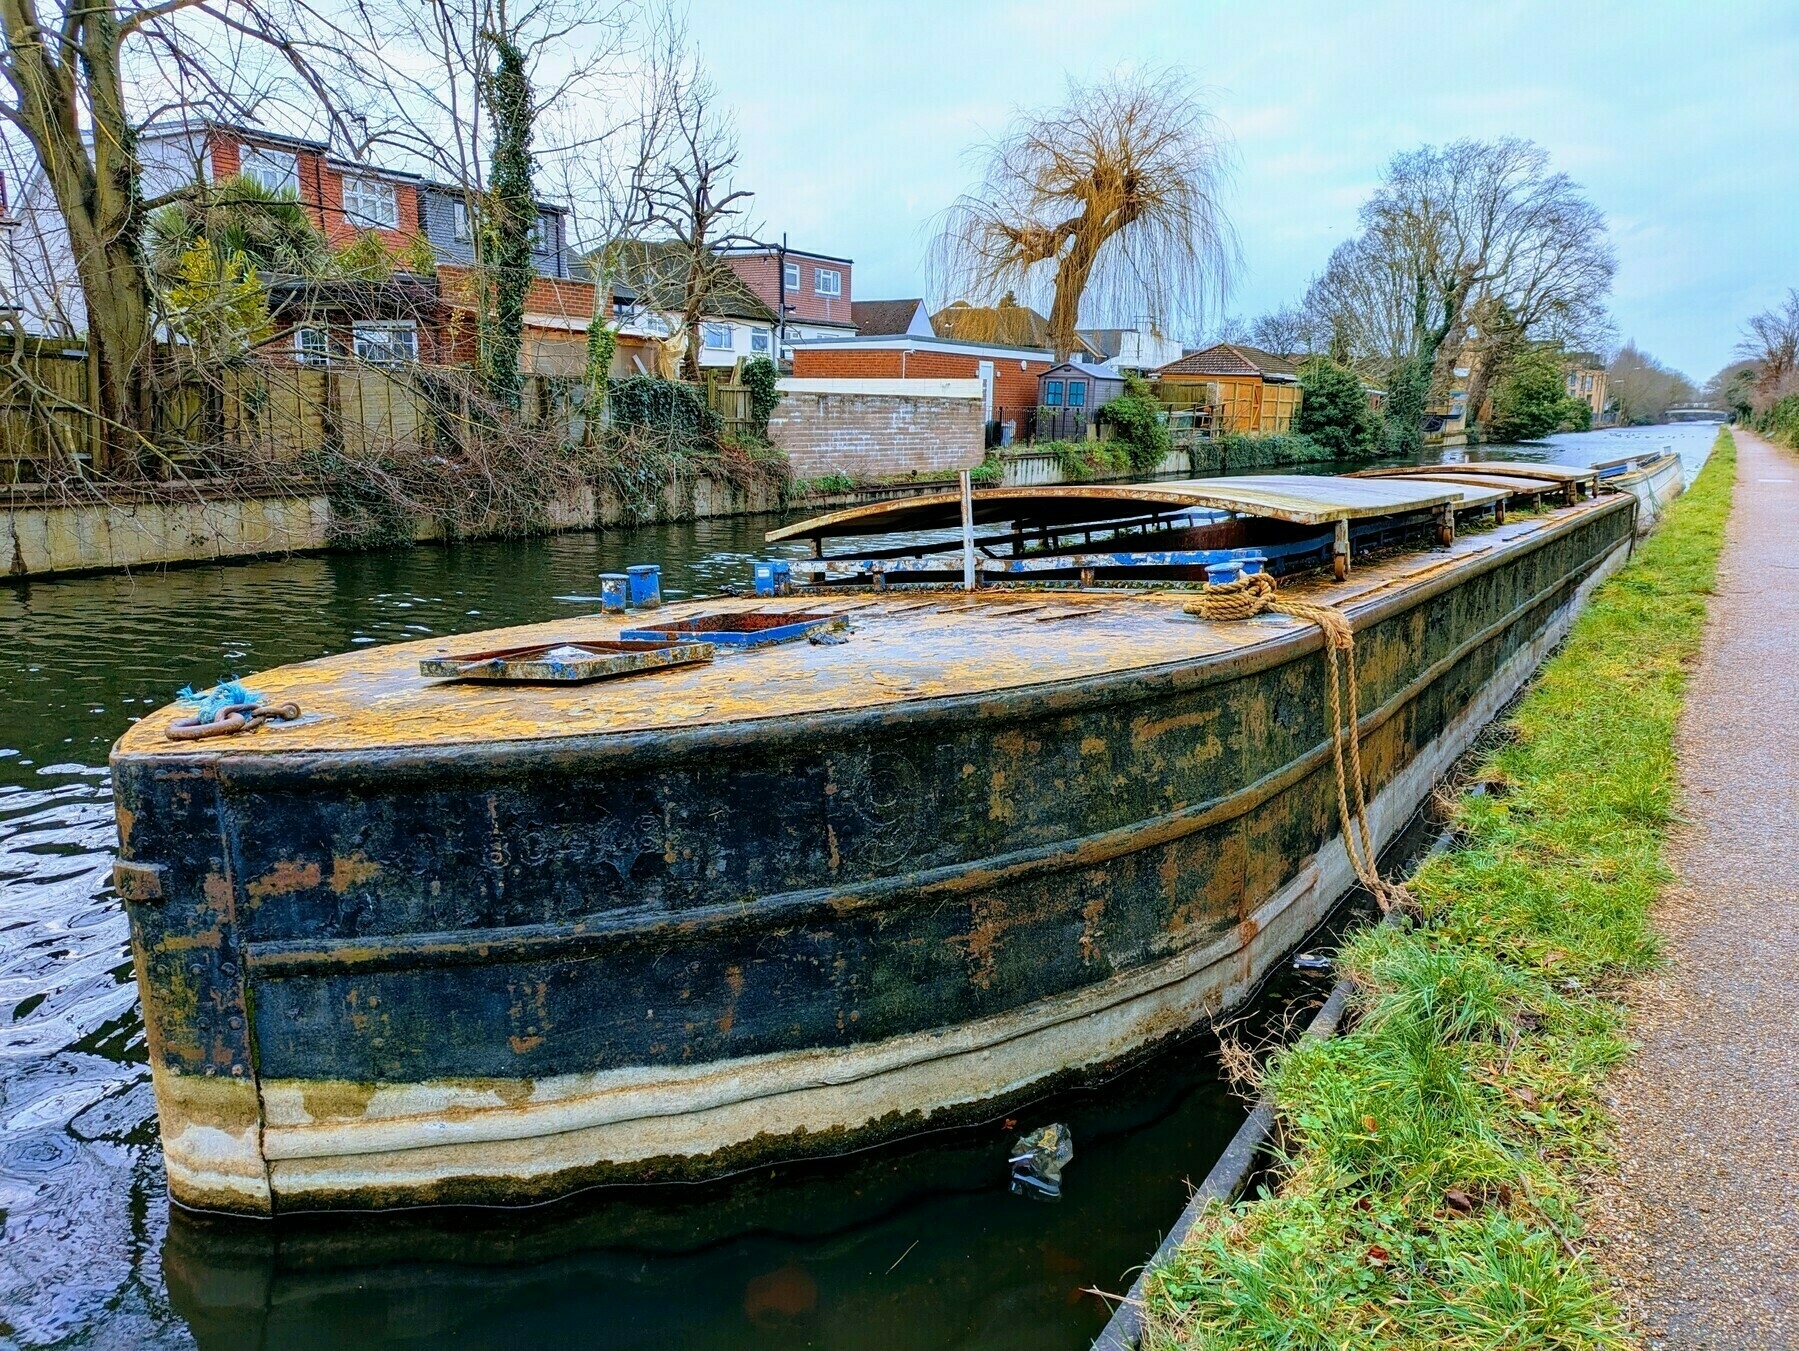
83 1209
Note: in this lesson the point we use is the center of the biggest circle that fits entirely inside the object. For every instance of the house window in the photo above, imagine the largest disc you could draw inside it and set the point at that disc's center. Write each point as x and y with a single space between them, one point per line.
311 346
759 342
827 281
272 170
461 228
1052 393
790 278
1077 393
543 233
717 337
369 201
390 344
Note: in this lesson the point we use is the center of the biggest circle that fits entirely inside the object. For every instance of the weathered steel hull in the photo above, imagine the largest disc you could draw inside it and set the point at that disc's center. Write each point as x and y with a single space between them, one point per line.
498 972
1654 483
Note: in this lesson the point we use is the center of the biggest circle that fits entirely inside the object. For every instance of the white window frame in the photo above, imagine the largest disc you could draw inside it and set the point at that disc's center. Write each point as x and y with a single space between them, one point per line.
312 345
543 233
374 342
274 170
827 282
709 331
761 342
377 202
462 226
790 278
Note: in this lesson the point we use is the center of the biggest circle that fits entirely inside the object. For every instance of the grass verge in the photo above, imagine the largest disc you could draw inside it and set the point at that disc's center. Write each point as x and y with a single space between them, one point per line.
1429 1192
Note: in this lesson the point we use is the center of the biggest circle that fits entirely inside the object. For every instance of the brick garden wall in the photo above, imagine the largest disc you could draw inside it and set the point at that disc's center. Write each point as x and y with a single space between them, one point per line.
867 431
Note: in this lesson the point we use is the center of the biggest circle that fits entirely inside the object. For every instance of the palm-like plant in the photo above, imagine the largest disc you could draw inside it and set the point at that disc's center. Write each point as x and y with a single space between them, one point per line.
237 217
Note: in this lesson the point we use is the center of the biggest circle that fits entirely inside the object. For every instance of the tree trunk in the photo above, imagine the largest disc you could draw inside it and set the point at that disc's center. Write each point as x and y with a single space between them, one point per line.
1071 282
97 193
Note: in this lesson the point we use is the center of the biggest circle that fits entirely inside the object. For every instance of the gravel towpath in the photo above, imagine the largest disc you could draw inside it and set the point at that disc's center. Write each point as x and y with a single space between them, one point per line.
1702 1222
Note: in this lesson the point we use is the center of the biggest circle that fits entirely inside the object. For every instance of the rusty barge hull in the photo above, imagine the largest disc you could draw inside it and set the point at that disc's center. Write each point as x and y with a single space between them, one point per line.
449 944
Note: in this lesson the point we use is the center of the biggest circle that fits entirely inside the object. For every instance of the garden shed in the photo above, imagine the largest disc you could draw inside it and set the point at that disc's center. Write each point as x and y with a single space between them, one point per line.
1069 395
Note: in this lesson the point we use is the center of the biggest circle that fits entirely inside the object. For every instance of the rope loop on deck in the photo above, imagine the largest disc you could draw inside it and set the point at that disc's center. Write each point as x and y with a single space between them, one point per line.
1256 593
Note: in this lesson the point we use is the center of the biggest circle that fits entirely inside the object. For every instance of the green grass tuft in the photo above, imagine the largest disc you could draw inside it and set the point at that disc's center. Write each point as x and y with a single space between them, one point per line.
1429 1192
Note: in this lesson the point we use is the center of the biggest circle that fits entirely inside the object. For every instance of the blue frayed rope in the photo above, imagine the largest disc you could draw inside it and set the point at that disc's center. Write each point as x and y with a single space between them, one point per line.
221 695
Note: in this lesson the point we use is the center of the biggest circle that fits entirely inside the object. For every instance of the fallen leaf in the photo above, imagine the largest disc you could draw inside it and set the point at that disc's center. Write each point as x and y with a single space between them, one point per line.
1525 1096
1458 1200
1369 1123
1505 1195
1378 1256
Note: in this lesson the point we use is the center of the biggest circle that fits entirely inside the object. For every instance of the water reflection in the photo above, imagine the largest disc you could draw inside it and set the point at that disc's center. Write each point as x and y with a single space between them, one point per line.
793 1260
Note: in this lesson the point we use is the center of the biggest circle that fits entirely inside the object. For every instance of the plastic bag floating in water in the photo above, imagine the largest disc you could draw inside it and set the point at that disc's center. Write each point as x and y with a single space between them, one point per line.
1038 1160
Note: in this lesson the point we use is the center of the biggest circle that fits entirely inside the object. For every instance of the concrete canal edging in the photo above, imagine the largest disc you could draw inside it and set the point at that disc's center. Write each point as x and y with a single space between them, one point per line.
57 537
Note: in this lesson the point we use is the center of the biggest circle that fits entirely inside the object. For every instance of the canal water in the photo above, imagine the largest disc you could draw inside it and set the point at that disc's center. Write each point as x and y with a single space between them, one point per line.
918 1245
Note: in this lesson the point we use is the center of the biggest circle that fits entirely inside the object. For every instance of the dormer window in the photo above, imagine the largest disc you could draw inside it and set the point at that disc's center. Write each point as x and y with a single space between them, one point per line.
461 230
543 233
827 281
370 202
271 170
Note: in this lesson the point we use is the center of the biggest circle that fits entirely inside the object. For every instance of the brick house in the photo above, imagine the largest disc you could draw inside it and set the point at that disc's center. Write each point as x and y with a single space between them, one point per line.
1008 375
808 293
1254 391
415 317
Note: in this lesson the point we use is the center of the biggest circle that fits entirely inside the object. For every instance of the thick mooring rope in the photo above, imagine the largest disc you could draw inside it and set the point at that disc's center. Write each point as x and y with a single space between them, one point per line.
1256 594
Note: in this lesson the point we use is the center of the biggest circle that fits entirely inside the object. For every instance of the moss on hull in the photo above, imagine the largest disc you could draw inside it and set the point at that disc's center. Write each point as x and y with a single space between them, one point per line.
1433 1193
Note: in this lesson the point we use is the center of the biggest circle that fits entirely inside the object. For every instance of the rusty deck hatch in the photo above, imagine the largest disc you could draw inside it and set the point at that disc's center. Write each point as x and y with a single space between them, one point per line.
568 663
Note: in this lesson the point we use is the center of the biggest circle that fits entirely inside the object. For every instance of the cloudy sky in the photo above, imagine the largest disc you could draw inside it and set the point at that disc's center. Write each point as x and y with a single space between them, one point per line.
1679 119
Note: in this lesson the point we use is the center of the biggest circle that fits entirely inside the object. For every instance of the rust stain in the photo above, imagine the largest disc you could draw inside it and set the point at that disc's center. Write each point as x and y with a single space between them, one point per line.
981 943
1090 916
999 806
352 871
217 890
1093 745
283 879
1148 729
126 819
734 984
336 1100
520 1045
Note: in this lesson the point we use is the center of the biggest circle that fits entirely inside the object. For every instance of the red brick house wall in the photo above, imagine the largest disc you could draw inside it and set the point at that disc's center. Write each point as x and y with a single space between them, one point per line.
1013 388
322 194
762 271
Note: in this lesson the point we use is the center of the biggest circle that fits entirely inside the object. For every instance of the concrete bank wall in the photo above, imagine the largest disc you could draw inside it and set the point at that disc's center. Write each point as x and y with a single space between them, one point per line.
879 428
39 539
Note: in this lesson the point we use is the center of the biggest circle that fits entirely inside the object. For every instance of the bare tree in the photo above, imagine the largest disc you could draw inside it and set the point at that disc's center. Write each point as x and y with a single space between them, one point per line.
1643 388
689 200
1771 341
1111 200
1285 332
1473 234
65 68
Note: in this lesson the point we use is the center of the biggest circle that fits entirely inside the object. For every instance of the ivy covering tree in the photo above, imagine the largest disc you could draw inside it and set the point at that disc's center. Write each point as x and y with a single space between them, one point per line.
760 377
1333 410
510 219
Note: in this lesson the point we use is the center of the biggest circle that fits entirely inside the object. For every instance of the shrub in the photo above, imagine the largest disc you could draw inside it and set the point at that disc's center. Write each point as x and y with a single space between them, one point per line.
1239 450
670 409
1530 397
989 473
1333 410
1138 424
1780 421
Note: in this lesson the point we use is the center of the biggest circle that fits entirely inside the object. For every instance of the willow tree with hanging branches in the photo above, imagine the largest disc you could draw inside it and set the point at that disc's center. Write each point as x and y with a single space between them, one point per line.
1109 202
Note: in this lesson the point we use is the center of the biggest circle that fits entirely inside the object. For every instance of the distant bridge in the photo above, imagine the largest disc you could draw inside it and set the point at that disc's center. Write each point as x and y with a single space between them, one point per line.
1697 412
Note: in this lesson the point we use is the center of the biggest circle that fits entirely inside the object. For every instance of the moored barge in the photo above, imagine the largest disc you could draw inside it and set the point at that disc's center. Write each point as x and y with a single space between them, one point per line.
446 937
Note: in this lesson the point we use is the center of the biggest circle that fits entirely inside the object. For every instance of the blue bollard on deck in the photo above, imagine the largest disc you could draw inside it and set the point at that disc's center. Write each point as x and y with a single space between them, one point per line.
645 589
1222 574
615 592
